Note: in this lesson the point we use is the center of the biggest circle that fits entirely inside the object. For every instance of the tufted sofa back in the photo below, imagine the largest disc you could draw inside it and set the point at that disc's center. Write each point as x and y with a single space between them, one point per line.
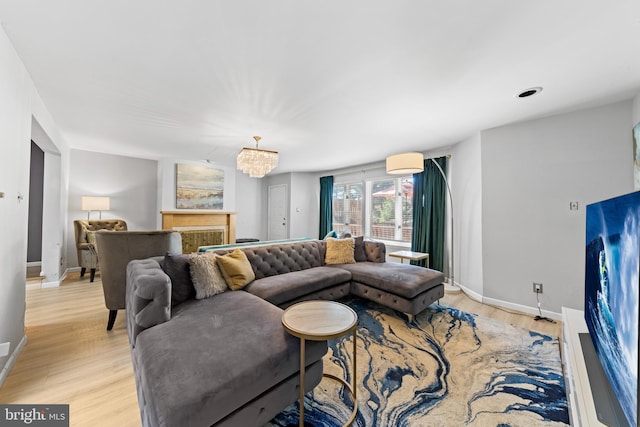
375 251
85 234
83 226
271 260
283 258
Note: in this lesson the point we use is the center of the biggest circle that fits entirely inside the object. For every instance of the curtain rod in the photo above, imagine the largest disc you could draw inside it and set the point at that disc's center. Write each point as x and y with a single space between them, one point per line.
361 170
371 167
367 167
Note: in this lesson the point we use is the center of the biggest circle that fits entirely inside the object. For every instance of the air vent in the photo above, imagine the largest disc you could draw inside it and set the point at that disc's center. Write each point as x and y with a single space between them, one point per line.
529 92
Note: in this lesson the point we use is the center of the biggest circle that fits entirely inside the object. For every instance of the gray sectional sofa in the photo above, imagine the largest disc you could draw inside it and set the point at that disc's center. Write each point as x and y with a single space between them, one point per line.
226 360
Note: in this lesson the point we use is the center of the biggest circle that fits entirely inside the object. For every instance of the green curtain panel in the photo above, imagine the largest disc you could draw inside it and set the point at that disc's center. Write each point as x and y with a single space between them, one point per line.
429 203
326 205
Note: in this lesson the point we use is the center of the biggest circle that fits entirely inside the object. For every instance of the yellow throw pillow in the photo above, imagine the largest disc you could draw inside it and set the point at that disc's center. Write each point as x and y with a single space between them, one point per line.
236 269
340 251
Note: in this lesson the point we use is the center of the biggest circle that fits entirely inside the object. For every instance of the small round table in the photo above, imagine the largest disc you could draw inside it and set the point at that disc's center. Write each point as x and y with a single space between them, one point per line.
410 255
321 321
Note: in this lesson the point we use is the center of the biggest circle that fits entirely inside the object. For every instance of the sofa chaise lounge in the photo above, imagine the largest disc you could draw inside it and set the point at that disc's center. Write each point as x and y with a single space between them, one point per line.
226 360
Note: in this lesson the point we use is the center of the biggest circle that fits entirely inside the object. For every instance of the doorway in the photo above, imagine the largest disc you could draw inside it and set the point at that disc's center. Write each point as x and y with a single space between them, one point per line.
277 217
50 221
36 189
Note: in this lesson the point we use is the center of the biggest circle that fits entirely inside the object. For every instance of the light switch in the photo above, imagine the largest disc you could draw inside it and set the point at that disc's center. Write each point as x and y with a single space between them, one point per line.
573 206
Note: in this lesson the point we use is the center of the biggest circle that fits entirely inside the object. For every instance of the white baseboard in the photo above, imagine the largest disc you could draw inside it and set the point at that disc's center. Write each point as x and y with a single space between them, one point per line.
471 294
12 360
522 308
34 263
51 284
508 305
56 283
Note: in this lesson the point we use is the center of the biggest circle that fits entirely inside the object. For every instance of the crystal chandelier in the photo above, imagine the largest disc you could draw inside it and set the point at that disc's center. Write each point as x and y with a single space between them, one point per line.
256 162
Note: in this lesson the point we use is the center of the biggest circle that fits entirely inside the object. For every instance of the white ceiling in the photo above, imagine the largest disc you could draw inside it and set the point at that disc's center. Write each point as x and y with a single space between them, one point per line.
328 84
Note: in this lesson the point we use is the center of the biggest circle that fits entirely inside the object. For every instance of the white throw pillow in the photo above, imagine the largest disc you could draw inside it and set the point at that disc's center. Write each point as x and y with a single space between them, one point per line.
205 275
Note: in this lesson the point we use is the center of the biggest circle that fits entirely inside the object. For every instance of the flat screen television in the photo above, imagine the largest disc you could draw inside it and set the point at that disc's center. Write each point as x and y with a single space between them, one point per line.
611 300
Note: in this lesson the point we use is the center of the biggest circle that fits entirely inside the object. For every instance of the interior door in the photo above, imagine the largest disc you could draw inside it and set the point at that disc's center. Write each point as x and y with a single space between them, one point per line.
278 219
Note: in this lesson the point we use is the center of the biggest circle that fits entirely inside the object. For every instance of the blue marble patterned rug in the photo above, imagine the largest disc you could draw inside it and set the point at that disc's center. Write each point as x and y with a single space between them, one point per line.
447 368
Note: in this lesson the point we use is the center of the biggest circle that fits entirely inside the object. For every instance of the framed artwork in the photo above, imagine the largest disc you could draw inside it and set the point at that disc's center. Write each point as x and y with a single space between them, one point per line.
636 157
199 187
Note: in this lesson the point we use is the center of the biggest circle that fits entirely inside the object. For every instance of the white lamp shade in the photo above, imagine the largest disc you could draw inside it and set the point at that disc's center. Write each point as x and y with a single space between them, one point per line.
405 163
92 203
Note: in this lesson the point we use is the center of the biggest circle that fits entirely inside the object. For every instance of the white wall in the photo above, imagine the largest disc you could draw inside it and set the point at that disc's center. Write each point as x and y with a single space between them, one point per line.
250 206
636 110
54 214
131 184
19 105
305 205
466 185
530 173
54 207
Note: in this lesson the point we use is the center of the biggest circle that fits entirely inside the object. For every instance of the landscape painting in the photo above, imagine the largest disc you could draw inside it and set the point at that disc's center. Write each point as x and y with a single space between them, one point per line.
199 187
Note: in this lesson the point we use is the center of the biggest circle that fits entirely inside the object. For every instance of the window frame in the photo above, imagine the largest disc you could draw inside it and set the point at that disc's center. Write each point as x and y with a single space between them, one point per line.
366 213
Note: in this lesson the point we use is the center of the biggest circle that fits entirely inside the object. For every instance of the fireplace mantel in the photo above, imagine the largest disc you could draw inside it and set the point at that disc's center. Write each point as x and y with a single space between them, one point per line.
184 220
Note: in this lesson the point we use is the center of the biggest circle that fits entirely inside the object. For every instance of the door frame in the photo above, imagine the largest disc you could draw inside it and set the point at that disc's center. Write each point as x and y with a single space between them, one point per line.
286 192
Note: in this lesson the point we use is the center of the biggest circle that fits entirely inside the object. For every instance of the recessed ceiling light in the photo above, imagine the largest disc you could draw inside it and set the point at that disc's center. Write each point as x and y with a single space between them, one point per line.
529 92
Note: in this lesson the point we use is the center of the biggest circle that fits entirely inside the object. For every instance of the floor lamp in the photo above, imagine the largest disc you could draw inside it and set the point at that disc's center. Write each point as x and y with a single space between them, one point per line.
95 203
410 163
450 287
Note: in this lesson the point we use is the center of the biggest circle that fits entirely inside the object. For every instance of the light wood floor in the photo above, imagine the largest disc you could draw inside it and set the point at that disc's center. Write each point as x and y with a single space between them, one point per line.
70 358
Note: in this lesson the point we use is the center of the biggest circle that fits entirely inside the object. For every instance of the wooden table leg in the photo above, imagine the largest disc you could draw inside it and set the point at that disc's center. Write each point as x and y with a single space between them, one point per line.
355 398
302 360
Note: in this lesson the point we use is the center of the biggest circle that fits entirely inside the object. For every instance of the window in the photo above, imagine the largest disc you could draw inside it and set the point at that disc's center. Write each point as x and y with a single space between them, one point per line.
347 208
387 213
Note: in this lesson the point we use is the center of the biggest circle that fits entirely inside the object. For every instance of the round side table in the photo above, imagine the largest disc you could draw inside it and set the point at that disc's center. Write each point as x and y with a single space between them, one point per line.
322 321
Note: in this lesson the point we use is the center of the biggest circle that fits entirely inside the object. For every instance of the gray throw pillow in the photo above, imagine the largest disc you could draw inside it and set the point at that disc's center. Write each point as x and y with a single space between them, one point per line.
358 252
177 268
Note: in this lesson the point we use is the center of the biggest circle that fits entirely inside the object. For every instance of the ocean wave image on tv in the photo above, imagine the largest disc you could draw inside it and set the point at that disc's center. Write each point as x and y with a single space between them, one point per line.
611 293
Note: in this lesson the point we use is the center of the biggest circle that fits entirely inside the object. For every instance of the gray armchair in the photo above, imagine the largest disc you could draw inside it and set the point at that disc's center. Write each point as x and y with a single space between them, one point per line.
86 241
117 248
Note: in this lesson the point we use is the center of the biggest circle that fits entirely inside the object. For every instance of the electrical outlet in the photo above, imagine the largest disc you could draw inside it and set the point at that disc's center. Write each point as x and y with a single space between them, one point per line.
537 288
4 349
